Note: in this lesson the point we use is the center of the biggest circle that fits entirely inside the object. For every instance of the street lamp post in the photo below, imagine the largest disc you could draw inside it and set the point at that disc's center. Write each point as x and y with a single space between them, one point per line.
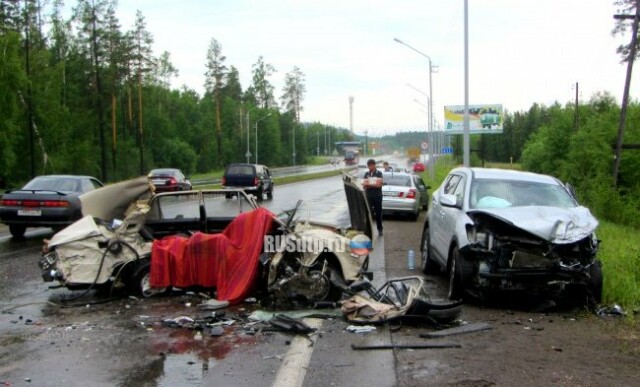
257 134
431 166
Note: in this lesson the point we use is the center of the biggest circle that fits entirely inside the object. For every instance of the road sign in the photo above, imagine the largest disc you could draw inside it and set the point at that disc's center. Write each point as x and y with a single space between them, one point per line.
424 145
446 150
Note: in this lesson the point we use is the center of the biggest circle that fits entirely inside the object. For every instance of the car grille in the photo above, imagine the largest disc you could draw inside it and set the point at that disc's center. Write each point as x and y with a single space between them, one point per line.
520 259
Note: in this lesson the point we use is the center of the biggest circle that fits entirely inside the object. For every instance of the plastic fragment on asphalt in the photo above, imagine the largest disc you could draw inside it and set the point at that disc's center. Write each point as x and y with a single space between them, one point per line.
213 304
361 328
263 315
468 328
290 324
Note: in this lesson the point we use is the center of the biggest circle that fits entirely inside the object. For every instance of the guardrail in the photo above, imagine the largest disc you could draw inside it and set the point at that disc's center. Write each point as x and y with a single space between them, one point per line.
277 172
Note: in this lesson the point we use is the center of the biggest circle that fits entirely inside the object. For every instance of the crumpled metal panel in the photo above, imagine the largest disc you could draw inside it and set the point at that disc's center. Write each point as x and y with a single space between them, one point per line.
553 224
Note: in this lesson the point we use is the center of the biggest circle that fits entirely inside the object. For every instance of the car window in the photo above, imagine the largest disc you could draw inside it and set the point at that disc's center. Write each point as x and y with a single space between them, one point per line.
493 193
63 184
398 180
96 183
420 183
183 206
451 183
87 185
459 191
240 170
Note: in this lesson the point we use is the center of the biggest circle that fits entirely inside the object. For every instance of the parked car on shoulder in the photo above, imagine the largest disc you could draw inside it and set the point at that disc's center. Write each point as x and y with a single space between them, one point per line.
45 201
254 179
496 230
403 193
169 179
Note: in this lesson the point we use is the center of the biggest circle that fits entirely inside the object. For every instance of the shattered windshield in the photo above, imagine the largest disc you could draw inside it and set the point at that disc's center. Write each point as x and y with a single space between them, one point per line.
491 193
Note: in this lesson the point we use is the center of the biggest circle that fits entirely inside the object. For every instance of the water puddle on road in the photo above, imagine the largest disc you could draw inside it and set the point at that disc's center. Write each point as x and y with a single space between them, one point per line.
185 356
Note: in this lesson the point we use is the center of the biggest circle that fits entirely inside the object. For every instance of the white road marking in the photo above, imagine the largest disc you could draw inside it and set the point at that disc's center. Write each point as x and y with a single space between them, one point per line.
296 360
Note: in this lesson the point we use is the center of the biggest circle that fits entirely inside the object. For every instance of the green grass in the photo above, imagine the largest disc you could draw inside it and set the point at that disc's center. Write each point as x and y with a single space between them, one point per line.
620 254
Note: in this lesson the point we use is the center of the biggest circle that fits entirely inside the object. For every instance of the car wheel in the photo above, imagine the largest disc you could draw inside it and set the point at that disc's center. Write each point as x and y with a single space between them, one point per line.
17 231
270 193
460 272
140 282
259 194
594 284
429 266
414 216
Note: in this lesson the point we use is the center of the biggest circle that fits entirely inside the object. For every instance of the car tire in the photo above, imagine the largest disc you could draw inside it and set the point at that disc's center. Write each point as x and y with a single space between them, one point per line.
270 193
414 216
429 266
594 284
139 282
259 194
460 272
17 231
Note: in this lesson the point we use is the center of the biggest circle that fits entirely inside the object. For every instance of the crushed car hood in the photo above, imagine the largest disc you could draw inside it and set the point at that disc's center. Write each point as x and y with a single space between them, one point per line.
111 201
358 207
553 224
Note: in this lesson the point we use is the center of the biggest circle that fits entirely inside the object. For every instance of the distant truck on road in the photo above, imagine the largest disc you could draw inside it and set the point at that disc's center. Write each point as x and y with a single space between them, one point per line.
351 157
413 154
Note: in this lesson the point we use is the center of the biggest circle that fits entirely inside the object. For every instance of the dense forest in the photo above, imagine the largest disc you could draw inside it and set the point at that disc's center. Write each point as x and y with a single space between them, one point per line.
83 96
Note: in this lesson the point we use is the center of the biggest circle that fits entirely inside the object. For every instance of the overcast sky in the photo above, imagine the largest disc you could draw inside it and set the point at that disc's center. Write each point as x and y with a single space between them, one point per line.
520 52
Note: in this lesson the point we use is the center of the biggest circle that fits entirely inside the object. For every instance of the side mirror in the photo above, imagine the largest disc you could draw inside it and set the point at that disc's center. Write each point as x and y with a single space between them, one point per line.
449 200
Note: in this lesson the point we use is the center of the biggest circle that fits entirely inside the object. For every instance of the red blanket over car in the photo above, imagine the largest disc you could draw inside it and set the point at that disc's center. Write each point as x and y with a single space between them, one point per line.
227 261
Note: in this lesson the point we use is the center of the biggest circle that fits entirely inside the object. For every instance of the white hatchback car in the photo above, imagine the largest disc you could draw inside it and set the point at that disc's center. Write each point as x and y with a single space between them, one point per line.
503 230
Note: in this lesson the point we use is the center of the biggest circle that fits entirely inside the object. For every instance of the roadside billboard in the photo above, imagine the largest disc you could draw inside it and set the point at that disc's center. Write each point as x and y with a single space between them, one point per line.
482 119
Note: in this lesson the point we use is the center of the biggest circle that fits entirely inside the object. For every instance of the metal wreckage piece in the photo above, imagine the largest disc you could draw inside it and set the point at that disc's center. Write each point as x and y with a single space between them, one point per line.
400 298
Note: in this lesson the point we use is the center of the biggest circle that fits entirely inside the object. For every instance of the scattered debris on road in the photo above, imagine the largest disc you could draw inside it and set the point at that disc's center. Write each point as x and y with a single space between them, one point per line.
361 328
399 298
405 346
467 328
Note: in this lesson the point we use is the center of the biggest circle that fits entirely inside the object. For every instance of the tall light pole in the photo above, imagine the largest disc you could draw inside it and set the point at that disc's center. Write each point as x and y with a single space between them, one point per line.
428 111
466 143
431 166
257 134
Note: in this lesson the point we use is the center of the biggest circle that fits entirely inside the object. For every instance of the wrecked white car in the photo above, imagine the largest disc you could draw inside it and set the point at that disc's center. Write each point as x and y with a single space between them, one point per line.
501 230
207 239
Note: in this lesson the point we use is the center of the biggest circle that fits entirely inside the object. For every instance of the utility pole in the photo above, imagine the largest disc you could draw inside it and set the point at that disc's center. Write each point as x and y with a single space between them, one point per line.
625 95
466 142
366 142
576 116
351 114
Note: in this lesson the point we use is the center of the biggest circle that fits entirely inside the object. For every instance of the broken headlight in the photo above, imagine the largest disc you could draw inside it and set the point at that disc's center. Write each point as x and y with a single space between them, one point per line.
479 237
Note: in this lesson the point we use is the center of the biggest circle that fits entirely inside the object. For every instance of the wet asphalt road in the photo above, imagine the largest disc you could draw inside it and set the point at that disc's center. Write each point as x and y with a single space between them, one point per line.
122 342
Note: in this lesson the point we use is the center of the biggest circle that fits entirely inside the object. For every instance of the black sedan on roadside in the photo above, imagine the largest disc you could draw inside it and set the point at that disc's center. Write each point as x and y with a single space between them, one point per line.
169 180
45 201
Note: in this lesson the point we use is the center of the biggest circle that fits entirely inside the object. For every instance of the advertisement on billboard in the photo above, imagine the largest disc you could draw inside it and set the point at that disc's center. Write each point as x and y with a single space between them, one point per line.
482 119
